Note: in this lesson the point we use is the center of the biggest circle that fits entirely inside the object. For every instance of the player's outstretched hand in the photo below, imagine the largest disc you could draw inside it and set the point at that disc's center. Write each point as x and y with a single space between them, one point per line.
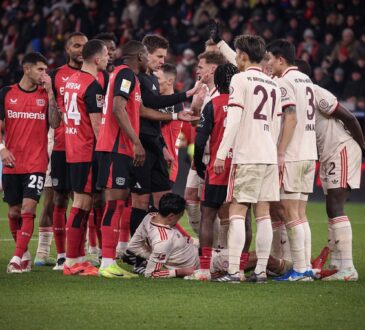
187 116
281 163
184 271
169 159
215 31
139 155
47 83
218 166
198 85
7 158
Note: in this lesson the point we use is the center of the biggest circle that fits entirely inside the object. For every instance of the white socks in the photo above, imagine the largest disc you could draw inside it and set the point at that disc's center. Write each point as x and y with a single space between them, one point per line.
280 244
296 237
264 237
236 242
44 241
105 262
307 243
194 215
342 233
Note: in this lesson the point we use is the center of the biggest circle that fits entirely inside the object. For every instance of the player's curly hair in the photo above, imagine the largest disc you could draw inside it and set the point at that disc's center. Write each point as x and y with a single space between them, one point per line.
171 203
222 77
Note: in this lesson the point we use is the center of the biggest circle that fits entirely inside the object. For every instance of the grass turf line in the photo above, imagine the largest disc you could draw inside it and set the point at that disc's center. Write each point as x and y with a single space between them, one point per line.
45 299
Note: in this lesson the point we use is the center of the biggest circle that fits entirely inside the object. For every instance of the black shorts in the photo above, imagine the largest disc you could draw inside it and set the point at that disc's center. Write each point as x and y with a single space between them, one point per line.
60 172
213 196
83 177
20 186
153 176
115 170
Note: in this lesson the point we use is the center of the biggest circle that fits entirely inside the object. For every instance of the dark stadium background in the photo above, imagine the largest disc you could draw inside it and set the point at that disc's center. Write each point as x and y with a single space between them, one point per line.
329 34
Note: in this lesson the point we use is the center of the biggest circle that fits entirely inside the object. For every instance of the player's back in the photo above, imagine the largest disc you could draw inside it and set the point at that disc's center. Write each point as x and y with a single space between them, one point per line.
259 97
330 132
81 90
111 137
298 90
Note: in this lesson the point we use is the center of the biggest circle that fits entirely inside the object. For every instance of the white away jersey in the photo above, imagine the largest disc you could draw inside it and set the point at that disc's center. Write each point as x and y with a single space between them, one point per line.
253 112
162 246
298 90
330 131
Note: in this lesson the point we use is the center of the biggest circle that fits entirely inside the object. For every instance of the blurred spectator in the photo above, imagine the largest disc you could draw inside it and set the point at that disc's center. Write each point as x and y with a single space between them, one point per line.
355 86
346 45
131 12
185 70
206 6
360 104
310 45
321 78
338 83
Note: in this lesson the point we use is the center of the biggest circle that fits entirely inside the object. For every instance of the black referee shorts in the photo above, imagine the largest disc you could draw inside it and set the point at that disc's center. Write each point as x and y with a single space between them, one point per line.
153 176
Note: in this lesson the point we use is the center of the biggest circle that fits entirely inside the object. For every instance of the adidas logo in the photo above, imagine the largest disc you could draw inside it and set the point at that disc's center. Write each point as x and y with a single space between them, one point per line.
335 181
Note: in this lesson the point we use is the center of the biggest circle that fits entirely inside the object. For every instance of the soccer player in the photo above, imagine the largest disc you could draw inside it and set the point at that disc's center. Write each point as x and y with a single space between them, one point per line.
158 241
152 177
45 230
84 101
251 123
119 149
170 130
339 141
297 153
110 42
208 62
59 168
211 127
26 107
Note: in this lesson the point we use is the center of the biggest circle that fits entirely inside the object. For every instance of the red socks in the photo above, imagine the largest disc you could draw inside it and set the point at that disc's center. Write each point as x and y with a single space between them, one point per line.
14 225
59 228
110 227
124 224
76 232
24 234
205 258
244 260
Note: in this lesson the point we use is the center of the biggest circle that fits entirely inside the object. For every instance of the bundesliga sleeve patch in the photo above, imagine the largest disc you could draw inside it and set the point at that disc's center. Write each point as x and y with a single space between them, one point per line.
99 100
283 91
125 86
323 105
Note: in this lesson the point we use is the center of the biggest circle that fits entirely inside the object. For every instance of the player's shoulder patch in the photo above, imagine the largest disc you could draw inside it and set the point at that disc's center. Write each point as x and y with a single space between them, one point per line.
323 105
231 90
99 100
283 91
125 85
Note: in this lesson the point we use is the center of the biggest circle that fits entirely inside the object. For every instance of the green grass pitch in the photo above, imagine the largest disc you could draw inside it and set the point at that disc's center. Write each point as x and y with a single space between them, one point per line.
44 299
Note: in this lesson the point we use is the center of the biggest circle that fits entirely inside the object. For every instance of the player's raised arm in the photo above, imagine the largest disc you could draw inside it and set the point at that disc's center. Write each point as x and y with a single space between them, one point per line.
54 116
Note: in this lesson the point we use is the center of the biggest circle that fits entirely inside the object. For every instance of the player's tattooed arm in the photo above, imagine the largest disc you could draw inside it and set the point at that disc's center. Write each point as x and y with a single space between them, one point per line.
289 122
54 116
351 124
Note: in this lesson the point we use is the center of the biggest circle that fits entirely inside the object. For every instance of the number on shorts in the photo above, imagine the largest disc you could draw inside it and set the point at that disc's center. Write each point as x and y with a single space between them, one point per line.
36 181
332 167
72 112
257 113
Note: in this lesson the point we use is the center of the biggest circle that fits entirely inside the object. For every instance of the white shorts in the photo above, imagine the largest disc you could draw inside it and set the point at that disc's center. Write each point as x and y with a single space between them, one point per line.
194 181
343 169
48 180
252 183
298 180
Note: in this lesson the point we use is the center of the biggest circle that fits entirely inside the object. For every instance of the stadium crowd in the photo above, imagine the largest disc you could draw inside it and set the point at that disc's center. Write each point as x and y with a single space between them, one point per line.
100 133
329 34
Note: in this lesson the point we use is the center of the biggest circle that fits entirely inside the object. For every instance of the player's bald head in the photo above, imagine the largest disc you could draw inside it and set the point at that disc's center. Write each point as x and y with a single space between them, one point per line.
132 48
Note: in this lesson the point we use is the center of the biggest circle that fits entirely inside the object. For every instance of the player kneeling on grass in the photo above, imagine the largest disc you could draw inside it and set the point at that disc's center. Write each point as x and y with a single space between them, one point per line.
26 109
170 254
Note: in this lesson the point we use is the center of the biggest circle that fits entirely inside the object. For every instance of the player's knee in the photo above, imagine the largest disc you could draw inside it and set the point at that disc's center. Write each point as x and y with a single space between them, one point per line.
29 206
60 199
191 194
334 209
141 201
14 212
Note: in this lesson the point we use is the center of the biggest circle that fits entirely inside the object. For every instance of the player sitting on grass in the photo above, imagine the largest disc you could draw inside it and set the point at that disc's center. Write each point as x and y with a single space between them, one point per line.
170 254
